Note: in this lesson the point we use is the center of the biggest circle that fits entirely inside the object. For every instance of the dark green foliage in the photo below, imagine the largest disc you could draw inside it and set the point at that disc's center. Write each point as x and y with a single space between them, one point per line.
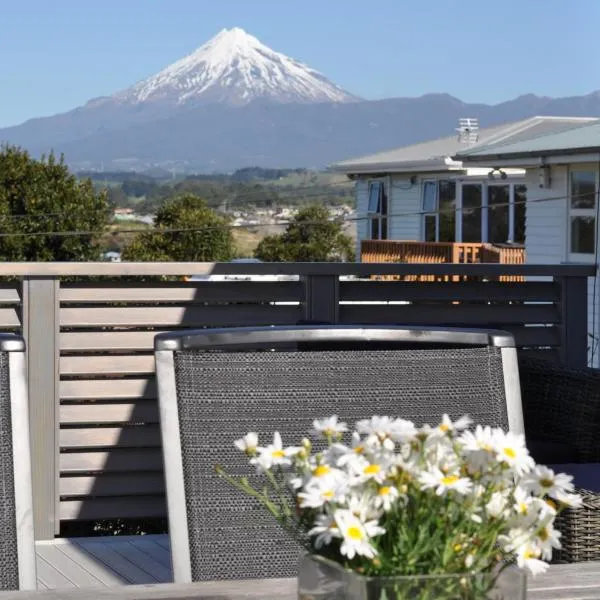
209 238
310 237
40 196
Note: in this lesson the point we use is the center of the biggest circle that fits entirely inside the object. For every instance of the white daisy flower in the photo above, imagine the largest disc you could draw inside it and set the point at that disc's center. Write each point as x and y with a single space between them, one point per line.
248 444
569 500
356 534
345 453
478 446
385 431
510 449
325 530
364 470
546 539
323 491
542 481
362 507
444 482
385 496
275 454
449 426
329 427
528 557
496 506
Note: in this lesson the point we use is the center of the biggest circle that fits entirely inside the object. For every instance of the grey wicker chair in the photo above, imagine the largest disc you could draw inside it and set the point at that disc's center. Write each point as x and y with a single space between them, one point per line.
561 407
17 549
216 385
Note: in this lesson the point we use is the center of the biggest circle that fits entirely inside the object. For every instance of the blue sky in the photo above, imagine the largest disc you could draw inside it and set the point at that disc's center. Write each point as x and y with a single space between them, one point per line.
58 54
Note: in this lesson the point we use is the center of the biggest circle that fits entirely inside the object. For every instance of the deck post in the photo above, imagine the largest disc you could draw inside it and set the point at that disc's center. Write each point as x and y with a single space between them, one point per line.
574 320
321 298
41 332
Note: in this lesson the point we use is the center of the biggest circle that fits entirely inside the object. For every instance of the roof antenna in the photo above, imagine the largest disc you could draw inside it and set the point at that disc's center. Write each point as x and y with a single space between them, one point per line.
468 131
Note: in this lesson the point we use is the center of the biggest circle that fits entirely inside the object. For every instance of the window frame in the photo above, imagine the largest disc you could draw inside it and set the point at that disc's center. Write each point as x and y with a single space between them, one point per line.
435 213
582 212
381 214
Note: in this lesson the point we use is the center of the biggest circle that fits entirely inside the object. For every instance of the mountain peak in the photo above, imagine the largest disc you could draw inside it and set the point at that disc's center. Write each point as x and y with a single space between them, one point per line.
235 67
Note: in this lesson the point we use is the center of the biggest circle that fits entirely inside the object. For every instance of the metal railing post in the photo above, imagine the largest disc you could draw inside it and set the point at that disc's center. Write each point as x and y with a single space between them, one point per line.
321 298
574 320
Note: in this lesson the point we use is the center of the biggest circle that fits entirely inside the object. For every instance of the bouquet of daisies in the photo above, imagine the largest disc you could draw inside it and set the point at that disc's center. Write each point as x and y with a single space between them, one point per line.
401 500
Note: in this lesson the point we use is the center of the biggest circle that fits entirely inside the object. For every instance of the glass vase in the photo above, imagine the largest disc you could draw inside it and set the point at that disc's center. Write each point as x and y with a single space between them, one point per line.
323 579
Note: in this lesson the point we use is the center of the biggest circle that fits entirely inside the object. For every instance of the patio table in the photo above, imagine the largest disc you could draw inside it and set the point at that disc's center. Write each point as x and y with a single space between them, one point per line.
577 581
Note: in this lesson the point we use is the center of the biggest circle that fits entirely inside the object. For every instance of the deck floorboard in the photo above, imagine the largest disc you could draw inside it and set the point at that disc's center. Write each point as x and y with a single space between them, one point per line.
103 562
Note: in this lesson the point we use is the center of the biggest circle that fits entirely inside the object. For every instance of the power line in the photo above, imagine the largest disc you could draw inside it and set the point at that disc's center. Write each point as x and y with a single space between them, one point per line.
280 224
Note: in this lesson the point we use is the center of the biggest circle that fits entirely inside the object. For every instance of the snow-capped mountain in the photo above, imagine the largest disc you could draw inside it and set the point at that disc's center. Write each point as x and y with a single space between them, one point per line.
234 67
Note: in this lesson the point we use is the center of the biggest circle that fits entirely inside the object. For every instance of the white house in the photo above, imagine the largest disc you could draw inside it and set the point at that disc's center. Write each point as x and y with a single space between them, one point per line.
562 174
423 192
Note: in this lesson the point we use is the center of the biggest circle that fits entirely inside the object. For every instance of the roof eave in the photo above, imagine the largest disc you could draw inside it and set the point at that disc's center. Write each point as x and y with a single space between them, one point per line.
494 158
443 163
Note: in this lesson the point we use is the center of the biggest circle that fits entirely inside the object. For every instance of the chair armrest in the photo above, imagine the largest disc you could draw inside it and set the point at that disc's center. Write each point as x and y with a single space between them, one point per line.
561 404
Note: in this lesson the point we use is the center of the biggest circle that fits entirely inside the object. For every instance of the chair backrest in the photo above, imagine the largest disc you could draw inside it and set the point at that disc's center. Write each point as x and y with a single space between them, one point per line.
17 547
215 385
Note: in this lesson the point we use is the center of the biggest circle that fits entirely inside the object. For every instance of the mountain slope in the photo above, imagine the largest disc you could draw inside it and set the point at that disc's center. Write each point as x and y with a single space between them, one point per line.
236 68
234 102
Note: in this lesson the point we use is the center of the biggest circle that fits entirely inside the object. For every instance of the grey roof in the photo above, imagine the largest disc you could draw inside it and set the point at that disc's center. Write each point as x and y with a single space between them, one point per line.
575 140
438 154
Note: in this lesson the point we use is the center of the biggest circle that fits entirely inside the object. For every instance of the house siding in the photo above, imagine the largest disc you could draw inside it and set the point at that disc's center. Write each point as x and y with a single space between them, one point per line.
546 239
405 208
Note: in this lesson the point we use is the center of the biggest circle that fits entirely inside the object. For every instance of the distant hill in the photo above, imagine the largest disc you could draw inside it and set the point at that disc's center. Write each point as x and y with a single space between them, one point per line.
234 102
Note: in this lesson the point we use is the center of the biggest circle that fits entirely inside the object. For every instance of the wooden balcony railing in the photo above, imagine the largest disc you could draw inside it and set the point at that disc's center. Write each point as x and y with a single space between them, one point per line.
413 252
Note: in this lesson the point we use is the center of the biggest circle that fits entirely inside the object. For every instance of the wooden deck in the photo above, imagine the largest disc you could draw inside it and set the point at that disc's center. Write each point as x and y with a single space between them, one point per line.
103 561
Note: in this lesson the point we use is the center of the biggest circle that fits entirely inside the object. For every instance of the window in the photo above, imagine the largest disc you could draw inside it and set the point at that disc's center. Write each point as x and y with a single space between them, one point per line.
582 209
471 212
439 211
378 210
498 214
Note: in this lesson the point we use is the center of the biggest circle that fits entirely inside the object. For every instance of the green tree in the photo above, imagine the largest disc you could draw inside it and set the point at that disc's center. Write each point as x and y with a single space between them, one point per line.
311 236
200 234
41 196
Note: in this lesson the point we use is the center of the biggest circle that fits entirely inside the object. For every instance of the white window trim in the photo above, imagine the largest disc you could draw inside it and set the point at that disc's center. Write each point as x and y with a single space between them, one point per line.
385 181
582 212
435 213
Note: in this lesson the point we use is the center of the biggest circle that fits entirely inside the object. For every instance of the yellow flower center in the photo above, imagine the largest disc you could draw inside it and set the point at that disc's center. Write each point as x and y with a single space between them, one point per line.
450 479
359 449
384 490
444 427
321 470
278 454
530 554
523 508
371 469
546 483
457 547
543 534
510 452
328 494
354 533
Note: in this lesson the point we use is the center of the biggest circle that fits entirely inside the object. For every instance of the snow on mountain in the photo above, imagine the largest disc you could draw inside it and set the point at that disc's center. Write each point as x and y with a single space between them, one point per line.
235 67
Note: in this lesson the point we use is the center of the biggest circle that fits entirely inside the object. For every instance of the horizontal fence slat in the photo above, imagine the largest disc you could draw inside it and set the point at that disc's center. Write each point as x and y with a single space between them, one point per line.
113 508
464 290
143 411
111 461
125 437
176 316
74 341
535 336
79 389
208 291
113 484
114 364
9 317
10 294
482 315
